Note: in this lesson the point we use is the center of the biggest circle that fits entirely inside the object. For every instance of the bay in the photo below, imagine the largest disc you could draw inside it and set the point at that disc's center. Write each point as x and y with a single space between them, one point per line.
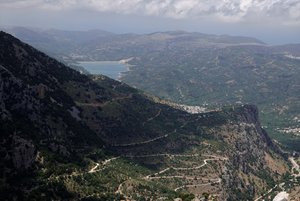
112 69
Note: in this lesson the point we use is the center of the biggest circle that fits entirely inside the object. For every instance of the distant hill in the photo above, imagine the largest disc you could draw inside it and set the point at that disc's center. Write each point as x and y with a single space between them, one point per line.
54 41
68 136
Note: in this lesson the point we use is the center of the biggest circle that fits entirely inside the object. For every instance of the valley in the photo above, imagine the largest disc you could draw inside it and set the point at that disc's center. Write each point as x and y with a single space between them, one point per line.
72 136
202 70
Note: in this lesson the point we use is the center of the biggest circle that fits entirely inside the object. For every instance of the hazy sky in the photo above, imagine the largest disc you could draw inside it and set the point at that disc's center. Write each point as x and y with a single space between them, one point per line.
273 21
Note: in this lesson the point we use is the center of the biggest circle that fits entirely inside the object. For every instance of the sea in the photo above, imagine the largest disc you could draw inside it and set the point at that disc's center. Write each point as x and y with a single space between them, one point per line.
112 69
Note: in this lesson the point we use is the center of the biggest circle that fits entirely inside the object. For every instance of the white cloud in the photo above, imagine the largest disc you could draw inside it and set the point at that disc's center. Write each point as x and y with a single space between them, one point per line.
279 11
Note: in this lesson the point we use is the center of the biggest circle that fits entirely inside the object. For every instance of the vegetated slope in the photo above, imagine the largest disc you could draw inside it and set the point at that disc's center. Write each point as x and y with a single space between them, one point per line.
245 74
195 68
215 70
116 47
69 136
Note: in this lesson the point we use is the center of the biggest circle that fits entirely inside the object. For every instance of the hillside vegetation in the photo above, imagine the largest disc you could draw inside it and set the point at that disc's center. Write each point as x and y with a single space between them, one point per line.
195 69
70 136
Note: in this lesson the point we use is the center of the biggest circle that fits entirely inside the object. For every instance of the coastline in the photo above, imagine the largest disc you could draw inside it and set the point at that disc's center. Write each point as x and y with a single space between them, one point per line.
124 62
128 67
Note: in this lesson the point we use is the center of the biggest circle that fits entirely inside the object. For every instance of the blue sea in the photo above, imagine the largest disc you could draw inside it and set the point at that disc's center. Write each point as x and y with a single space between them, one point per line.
111 69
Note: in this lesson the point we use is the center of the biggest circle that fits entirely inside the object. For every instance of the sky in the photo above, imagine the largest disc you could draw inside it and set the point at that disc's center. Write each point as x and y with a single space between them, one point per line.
273 21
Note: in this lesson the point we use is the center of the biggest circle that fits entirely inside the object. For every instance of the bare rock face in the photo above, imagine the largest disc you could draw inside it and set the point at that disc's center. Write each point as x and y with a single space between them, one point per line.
23 154
250 144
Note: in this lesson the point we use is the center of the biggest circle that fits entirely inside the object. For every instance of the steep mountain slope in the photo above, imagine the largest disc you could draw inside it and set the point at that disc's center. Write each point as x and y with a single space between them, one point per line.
39 136
68 136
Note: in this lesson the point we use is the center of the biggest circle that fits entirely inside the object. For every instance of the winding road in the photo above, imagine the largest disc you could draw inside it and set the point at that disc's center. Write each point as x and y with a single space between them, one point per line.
154 176
181 168
94 169
269 191
156 155
295 167
140 143
129 96
200 166
119 191
151 118
218 180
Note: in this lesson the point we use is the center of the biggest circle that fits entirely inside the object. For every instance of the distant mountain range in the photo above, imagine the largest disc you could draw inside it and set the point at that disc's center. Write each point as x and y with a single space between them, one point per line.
69 136
54 41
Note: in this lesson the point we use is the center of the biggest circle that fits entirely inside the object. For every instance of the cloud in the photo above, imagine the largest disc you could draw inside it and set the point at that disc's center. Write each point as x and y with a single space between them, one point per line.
248 11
